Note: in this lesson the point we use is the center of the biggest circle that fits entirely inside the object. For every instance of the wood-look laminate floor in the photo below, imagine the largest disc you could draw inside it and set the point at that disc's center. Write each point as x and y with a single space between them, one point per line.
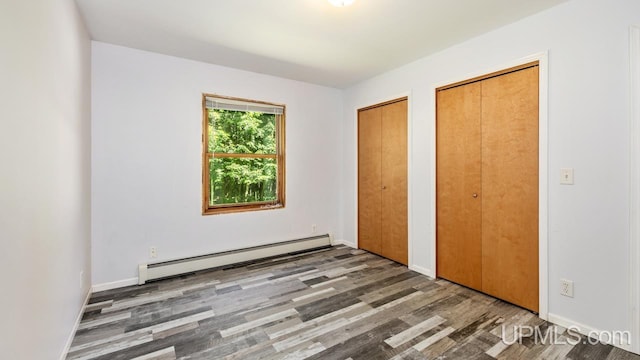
335 303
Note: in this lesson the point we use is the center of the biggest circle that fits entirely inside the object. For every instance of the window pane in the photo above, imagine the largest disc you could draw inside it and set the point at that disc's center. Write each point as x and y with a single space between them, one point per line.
242 180
240 132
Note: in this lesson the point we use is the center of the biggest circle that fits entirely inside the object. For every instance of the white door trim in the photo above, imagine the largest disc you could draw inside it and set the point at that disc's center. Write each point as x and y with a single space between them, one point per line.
543 164
634 183
406 94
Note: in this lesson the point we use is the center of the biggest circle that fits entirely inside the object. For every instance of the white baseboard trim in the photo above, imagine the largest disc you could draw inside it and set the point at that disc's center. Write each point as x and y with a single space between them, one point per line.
422 270
67 346
114 285
343 242
617 338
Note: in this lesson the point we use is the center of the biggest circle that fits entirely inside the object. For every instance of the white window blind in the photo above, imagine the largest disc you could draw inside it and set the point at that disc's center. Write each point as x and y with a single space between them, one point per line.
239 105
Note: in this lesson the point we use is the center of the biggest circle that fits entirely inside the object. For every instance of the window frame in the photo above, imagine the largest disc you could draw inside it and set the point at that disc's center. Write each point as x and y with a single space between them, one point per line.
279 203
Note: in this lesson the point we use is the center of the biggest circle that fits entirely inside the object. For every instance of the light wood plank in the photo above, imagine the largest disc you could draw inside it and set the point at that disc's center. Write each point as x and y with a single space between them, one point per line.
414 331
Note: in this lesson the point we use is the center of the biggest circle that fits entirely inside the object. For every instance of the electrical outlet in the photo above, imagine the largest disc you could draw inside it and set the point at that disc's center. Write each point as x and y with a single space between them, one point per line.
566 287
313 228
81 279
153 252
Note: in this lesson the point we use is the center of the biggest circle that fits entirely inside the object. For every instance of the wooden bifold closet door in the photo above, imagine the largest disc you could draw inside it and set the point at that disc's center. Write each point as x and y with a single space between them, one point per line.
382 180
487 185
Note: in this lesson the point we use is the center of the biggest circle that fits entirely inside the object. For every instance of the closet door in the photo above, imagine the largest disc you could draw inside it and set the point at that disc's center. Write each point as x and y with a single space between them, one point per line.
510 187
394 181
382 180
369 179
487 185
458 185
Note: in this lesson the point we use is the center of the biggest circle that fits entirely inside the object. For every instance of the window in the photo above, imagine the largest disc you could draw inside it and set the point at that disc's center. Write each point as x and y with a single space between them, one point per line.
243 155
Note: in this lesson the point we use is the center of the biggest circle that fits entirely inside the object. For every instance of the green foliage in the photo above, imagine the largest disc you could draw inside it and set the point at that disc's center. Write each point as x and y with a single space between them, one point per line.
239 132
241 180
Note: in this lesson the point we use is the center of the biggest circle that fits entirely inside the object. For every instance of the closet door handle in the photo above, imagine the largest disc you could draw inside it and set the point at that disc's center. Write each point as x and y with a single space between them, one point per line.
384 187
475 195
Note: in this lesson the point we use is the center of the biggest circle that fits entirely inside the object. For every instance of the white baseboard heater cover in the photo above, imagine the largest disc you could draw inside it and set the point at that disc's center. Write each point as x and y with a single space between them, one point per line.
169 268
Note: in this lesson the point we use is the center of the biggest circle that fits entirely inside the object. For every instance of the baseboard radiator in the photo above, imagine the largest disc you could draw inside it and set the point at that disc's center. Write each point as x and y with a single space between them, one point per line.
170 268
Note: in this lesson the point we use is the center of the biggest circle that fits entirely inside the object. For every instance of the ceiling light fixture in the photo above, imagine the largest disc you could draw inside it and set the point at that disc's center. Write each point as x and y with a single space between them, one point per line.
341 3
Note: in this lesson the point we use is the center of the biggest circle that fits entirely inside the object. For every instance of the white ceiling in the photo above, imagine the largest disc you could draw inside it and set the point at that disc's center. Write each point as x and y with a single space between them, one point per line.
307 40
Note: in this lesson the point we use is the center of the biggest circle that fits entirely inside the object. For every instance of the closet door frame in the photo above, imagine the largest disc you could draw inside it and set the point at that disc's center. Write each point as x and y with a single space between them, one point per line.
634 211
543 164
377 102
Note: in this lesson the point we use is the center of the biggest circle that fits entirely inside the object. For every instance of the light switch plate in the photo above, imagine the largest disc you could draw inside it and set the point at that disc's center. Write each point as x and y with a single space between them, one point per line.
566 176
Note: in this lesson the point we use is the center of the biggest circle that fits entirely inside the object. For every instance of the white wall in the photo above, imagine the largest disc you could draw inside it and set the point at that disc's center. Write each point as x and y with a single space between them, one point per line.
146 130
587 42
45 175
